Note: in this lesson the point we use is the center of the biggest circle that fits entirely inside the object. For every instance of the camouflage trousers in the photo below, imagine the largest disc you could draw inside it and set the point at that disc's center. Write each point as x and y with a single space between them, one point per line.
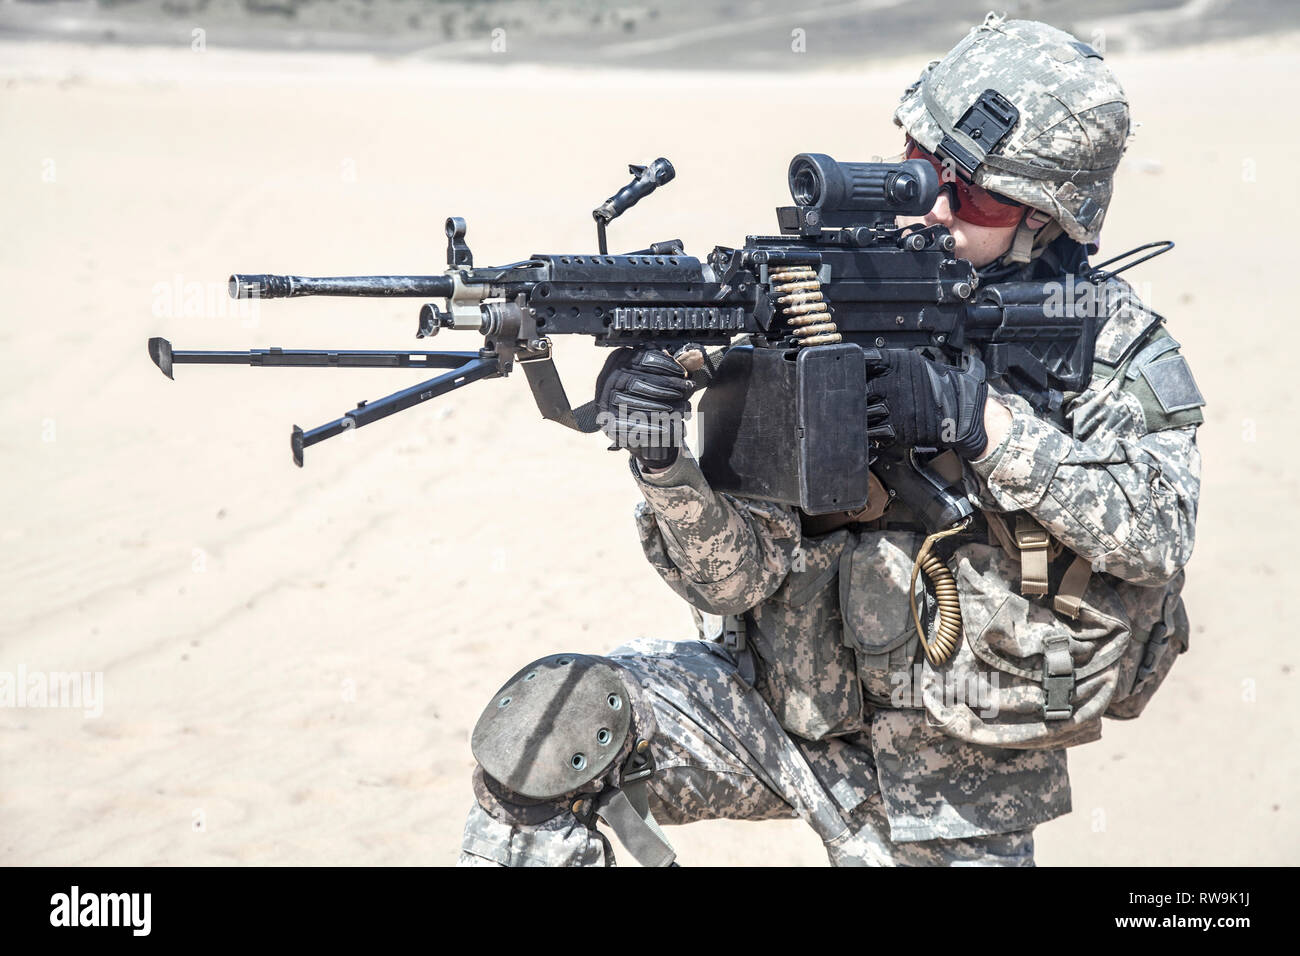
720 754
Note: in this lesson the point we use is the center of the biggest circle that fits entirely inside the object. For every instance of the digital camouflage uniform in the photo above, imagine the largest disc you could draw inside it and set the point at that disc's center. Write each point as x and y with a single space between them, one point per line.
817 736
827 710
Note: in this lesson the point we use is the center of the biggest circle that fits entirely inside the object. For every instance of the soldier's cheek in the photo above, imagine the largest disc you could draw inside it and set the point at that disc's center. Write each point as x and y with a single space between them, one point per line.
981 244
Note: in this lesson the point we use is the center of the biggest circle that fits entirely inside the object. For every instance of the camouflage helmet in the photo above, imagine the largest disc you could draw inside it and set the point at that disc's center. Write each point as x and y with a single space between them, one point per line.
1069 119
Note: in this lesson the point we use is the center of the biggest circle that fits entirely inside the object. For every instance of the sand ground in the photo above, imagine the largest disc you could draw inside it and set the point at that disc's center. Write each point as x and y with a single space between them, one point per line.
292 660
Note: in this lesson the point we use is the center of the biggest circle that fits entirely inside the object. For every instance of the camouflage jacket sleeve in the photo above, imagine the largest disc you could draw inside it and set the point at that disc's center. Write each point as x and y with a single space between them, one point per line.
722 554
1120 487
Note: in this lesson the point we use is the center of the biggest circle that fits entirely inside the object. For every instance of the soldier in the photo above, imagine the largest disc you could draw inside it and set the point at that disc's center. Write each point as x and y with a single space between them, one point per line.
812 692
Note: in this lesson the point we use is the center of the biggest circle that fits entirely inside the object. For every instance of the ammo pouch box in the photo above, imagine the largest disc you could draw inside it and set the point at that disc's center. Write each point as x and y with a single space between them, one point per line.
779 425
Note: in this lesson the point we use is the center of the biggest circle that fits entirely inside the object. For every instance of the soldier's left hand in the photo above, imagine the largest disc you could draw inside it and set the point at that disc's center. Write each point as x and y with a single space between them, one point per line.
913 401
644 398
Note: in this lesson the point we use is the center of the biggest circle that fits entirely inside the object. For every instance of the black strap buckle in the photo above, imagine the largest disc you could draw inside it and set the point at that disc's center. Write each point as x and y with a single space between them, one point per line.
640 764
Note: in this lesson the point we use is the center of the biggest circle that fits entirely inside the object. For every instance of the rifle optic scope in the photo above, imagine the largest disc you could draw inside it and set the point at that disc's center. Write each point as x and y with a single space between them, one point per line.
908 188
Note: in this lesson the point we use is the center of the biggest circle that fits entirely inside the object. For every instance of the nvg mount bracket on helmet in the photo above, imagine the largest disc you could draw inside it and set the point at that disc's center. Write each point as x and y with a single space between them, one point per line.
989 121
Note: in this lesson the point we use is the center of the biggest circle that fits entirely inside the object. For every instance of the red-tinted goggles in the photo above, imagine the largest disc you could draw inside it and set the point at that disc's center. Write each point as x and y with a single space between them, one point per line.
970 203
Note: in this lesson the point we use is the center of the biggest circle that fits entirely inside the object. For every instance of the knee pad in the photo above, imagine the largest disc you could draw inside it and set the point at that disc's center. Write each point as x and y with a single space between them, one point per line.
557 725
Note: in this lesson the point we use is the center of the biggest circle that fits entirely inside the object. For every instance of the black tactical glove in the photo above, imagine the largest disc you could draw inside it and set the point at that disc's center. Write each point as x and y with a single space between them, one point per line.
644 398
913 401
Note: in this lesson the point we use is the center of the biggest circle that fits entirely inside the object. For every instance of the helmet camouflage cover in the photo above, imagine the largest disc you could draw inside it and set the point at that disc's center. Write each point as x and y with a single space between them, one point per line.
1073 123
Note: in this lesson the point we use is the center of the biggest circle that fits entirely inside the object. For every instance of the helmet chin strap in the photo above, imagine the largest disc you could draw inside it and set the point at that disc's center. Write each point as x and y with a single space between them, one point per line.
1032 236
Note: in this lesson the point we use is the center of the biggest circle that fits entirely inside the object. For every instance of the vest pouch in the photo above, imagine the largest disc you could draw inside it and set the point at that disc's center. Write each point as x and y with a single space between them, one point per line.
875 571
808 676
1146 663
1024 676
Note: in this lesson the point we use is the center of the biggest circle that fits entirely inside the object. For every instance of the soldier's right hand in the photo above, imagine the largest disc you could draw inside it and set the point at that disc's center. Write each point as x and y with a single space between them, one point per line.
643 398
915 401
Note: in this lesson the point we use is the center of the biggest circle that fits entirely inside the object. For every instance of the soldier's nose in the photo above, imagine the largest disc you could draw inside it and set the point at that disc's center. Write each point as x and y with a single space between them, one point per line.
941 211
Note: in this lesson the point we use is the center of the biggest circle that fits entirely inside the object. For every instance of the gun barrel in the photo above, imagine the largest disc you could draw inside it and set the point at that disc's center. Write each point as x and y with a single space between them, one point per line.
285 287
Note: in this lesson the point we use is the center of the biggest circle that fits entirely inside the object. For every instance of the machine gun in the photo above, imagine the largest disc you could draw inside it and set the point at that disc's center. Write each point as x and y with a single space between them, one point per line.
793 316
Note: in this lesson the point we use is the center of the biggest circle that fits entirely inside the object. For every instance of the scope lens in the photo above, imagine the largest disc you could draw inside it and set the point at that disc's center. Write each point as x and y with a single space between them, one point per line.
806 186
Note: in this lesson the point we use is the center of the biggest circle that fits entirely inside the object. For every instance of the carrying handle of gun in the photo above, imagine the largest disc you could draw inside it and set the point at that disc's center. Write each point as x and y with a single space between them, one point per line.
647 180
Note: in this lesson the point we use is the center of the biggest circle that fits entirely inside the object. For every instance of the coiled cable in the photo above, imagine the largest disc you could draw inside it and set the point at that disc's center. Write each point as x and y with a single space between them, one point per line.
948 627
